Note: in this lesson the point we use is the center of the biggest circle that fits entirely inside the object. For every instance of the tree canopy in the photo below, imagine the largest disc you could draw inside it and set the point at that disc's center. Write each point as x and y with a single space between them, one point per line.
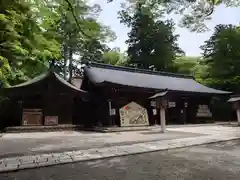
151 41
67 33
115 57
194 13
25 46
35 33
222 56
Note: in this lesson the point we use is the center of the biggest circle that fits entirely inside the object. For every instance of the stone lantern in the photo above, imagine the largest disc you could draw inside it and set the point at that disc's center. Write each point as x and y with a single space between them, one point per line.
162 104
235 100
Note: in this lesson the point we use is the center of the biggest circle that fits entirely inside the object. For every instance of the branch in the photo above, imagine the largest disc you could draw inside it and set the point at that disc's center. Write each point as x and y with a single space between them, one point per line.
212 7
75 18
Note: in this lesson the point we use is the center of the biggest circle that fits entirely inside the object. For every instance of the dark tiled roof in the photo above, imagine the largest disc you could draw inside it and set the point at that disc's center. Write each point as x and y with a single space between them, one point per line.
42 77
102 73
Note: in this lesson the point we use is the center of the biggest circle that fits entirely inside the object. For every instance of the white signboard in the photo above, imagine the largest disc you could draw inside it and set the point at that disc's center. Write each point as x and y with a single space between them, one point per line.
32 117
171 104
203 111
51 120
153 103
113 112
133 114
154 112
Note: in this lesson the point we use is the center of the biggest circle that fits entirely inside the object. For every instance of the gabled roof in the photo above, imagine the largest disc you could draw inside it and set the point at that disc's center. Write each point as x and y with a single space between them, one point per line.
44 76
102 73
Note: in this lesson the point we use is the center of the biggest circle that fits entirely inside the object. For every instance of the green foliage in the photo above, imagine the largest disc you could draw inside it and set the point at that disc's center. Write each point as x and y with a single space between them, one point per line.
222 56
191 66
185 64
74 24
34 33
24 45
151 41
115 57
194 14
5 71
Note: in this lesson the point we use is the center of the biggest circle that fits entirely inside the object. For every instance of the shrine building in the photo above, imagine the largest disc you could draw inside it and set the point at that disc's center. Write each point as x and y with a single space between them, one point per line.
109 96
124 96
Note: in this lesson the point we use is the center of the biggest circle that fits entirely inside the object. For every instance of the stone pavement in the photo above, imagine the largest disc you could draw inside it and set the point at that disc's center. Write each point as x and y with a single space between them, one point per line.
35 161
153 141
37 143
215 161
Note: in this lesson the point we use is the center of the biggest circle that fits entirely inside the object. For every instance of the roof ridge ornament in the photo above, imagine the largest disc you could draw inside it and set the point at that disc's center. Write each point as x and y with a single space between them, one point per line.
159 94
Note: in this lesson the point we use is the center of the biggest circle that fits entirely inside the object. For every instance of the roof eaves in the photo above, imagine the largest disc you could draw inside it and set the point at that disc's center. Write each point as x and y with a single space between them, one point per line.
214 91
31 81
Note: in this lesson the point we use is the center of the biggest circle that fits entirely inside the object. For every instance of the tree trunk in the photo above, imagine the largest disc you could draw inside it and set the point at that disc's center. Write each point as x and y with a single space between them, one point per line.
70 63
65 62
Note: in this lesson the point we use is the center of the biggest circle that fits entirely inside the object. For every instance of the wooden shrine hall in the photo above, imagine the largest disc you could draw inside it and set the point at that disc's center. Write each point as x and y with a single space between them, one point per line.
45 100
130 97
110 96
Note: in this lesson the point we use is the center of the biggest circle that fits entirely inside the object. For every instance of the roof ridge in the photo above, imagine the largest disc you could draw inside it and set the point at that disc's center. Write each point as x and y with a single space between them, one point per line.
144 71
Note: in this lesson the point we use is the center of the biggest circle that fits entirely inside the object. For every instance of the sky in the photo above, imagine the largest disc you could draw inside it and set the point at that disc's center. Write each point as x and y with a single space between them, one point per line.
188 41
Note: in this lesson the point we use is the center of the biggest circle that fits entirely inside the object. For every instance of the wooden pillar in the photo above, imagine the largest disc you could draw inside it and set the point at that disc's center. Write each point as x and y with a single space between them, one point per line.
111 114
45 97
21 111
185 105
109 111
163 119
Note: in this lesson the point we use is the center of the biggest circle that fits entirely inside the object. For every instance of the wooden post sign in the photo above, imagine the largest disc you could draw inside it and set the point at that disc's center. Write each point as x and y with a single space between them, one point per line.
162 104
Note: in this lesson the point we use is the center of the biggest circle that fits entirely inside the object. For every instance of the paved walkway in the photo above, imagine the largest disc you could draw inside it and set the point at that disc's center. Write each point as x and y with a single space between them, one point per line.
216 161
137 142
35 143
35 161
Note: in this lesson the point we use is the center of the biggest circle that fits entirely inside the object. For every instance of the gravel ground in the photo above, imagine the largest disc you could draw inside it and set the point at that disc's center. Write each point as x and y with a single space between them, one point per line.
218 161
